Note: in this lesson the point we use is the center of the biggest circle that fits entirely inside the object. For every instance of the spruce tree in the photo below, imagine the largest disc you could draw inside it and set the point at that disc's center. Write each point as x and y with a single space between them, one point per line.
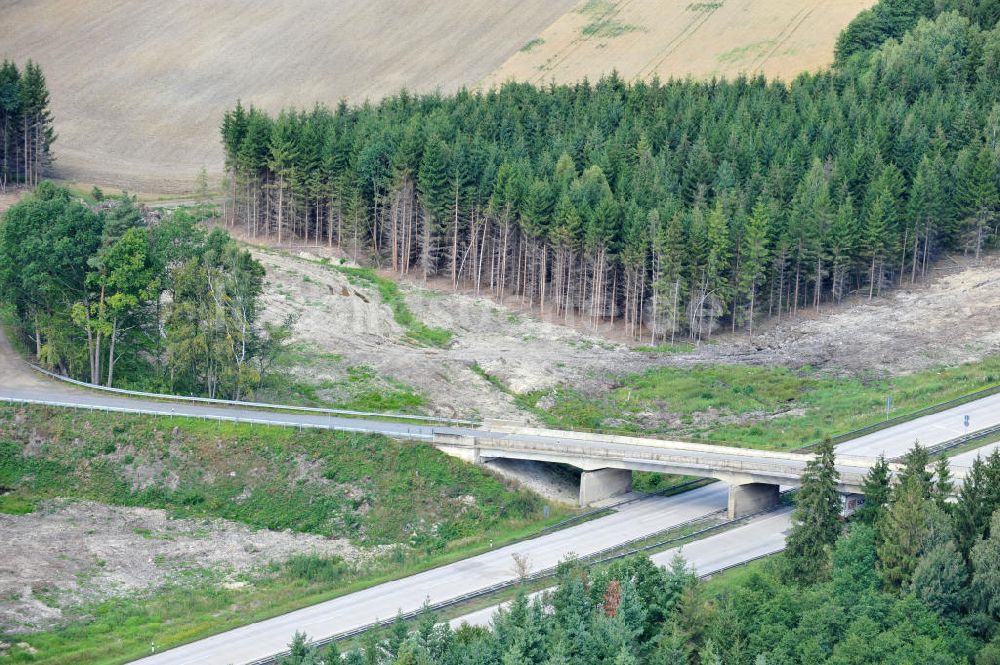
915 463
816 518
901 534
970 513
977 193
944 486
877 488
985 561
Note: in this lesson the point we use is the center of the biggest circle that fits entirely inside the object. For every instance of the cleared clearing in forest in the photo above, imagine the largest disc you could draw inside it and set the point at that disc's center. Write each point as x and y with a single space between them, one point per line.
678 38
139 88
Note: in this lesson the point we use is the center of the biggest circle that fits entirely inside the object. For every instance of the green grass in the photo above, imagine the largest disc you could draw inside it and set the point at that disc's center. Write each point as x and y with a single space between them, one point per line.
416 331
741 53
370 489
358 388
601 23
754 406
685 347
532 45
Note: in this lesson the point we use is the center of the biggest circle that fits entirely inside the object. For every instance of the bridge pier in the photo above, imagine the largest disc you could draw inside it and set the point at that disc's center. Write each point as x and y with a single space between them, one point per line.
752 498
603 484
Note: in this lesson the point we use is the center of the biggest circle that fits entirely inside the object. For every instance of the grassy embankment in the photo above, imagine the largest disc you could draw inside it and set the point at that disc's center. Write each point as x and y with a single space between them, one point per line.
370 489
755 406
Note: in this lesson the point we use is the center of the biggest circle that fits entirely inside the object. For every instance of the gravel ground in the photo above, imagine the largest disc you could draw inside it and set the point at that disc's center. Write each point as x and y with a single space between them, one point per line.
72 552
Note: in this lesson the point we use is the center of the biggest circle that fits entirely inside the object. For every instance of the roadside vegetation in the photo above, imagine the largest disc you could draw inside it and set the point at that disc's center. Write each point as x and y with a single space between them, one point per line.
404 506
759 407
112 294
912 578
367 488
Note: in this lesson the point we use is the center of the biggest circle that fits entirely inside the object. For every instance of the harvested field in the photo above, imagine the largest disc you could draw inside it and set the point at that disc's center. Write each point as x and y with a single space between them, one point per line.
139 89
646 38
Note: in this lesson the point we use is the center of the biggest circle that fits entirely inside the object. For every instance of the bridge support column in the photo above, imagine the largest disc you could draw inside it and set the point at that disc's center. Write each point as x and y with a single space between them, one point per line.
751 498
603 484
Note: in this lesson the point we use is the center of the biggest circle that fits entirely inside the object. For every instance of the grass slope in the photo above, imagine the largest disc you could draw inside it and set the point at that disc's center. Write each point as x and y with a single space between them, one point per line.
760 407
370 489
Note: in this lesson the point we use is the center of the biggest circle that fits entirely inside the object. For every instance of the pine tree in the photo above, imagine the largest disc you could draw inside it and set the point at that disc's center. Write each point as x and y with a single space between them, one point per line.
915 463
977 192
970 513
901 534
816 518
876 239
435 195
36 123
944 486
985 561
877 488
754 256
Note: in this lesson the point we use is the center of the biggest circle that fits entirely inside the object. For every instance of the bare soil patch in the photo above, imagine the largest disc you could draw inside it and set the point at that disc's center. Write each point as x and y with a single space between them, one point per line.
348 320
72 552
952 317
645 38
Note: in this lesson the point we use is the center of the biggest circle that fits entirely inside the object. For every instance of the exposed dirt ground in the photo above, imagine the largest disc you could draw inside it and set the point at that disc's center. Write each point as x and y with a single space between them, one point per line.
71 552
139 88
952 317
643 38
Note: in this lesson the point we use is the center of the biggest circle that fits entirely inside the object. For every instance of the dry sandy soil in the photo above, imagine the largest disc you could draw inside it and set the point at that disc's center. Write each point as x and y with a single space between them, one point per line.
951 318
643 38
139 88
71 552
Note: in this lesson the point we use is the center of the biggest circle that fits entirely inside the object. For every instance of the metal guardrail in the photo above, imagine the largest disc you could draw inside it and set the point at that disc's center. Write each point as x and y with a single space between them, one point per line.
233 419
255 405
595 558
913 415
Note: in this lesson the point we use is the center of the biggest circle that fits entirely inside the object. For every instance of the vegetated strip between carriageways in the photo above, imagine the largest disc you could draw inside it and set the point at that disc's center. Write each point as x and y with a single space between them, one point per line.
600 557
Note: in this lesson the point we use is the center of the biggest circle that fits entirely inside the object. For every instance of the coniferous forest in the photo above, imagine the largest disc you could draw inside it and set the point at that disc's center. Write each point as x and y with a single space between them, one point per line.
672 207
26 133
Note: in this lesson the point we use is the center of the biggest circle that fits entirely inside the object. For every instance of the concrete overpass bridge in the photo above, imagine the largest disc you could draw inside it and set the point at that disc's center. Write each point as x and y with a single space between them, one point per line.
607 461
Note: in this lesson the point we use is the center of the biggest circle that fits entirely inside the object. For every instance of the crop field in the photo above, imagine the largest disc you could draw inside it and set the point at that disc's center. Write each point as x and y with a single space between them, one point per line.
138 88
646 38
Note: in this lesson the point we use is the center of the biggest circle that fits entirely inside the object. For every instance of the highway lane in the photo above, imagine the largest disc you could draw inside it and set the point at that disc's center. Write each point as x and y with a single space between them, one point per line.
761 537
929 430
358 609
